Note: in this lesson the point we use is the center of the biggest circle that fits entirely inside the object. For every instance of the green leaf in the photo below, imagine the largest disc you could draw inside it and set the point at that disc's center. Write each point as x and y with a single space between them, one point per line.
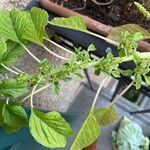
38 19
138 80
3 47
15 117
79 75
115 33
116 73
14 51
75 23
49 129
106 115
88 133
12 88
91 48
6 26
7 128
72 60
56 87
10 129
127 72
19 26
20 23
147 79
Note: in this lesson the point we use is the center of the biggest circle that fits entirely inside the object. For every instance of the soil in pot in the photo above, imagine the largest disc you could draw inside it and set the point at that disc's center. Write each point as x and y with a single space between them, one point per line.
117 13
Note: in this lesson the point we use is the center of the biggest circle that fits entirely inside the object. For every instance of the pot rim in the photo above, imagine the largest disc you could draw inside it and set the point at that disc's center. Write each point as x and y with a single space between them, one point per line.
92 24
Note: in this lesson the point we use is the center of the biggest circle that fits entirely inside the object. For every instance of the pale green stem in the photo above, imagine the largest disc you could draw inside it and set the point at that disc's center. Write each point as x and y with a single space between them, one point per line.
17 69
61 47
97 93
7 101
9 69
6 76
123 92
144 55
104 38
32 93
54 54
35 92
33 56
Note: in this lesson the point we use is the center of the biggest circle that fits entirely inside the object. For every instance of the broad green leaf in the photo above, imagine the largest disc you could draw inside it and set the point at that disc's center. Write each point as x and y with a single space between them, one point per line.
3 47
13 24
10 129
12 88
15 117
106 115
14 51
7 127
6 26
49 129
19 26
20 23
88 133
35 32
115 33
75 22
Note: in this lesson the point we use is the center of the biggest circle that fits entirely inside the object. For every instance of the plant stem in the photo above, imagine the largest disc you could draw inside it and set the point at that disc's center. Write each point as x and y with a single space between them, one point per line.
97 93
54 54
61 47
37 91
9 69
32 93
144 55
33 56
17 69
104 38
7 101
123 92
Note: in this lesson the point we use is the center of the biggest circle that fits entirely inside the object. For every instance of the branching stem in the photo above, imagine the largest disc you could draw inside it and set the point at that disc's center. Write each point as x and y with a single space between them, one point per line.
17 69
61 47
97 93
32 55
7 68
32 93
37 91
123 92
54 54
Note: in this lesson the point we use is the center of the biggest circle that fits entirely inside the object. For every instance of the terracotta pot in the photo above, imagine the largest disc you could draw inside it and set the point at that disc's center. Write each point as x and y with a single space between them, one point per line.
93 25
91 147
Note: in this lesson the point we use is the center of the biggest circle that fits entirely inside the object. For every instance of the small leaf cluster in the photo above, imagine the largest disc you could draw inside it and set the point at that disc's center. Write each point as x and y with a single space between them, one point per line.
143 10
129 43
110 65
